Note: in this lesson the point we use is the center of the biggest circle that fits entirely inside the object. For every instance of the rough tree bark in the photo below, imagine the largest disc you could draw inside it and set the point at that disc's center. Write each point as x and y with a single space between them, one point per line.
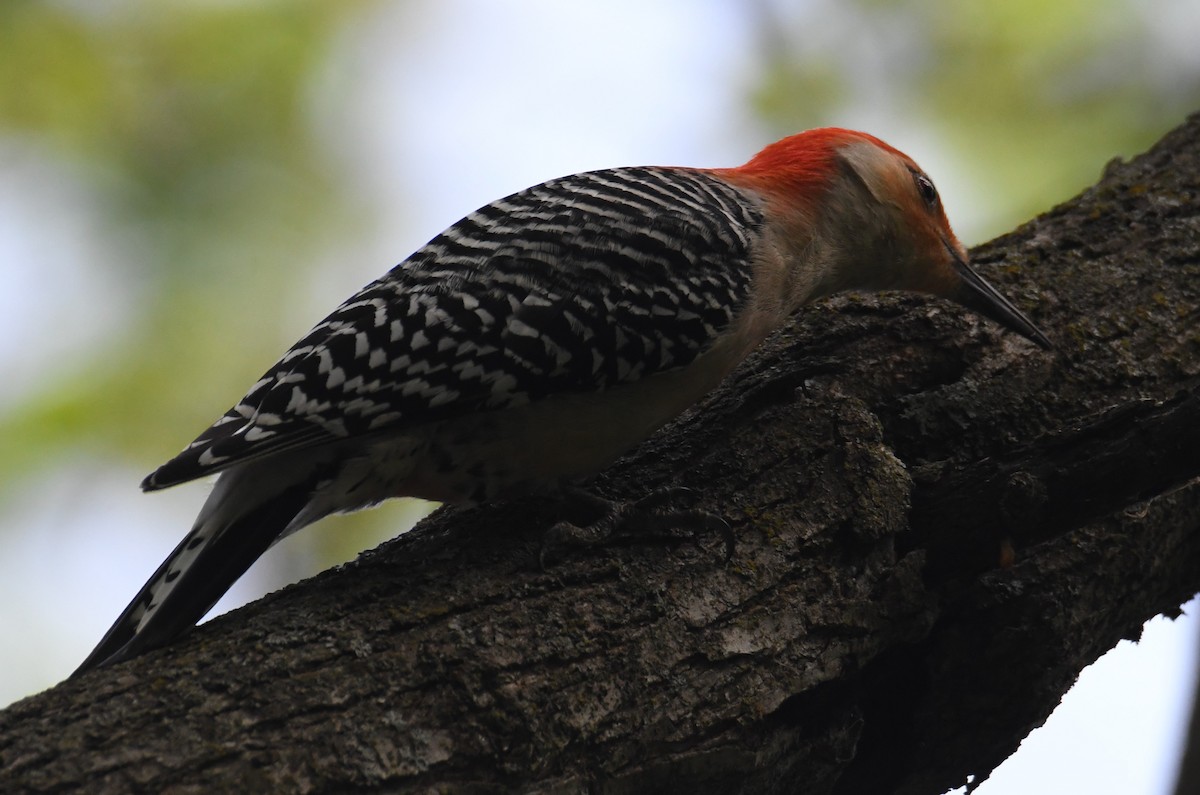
938 526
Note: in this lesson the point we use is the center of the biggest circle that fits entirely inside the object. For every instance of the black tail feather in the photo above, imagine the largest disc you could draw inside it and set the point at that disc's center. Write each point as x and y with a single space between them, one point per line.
224 559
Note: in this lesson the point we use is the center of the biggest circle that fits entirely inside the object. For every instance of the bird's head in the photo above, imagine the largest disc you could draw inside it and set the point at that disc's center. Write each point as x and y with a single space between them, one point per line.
867 217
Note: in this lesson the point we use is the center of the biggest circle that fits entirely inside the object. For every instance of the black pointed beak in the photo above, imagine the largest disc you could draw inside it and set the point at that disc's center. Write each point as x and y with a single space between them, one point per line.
979 296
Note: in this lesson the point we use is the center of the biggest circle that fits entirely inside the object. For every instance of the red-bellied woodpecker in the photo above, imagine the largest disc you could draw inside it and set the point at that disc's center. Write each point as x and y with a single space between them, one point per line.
534 341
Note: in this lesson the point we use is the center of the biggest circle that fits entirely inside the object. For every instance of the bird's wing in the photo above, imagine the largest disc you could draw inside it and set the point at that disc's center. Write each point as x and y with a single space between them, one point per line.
578 284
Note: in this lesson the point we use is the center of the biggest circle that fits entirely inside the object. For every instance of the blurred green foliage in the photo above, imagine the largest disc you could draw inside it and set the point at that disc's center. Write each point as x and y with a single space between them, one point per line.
193 118
193 121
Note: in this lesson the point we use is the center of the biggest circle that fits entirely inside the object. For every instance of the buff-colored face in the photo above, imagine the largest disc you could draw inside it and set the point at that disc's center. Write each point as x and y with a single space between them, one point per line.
916 249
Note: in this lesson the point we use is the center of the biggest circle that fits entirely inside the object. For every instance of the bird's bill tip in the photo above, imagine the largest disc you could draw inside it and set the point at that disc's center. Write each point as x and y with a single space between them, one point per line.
977 295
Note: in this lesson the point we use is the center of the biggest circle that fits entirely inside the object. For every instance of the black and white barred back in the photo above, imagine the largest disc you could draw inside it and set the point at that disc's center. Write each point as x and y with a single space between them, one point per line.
577 284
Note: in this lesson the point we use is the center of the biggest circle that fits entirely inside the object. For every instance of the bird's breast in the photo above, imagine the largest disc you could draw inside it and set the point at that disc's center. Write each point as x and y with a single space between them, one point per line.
536 447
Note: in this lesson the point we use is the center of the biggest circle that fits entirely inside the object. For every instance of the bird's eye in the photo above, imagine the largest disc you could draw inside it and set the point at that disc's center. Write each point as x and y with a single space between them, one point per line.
925 187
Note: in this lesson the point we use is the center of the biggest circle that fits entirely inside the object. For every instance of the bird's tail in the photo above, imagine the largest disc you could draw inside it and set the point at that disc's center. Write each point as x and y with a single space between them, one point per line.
233 530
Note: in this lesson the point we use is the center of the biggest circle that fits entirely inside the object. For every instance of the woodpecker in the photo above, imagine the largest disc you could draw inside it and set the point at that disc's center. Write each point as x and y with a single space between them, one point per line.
534 341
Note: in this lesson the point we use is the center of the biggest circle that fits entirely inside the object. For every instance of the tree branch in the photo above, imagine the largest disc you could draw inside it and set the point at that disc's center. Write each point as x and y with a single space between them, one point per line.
879 461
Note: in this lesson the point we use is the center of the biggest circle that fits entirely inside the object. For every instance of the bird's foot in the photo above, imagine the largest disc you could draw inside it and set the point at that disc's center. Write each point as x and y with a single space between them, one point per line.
651 518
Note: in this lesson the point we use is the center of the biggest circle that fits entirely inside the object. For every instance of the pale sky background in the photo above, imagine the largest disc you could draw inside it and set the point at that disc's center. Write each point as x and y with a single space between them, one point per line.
484 99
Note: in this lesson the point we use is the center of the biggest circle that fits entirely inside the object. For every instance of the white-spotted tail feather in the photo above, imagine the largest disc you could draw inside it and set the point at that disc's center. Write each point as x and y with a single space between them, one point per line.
249 509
